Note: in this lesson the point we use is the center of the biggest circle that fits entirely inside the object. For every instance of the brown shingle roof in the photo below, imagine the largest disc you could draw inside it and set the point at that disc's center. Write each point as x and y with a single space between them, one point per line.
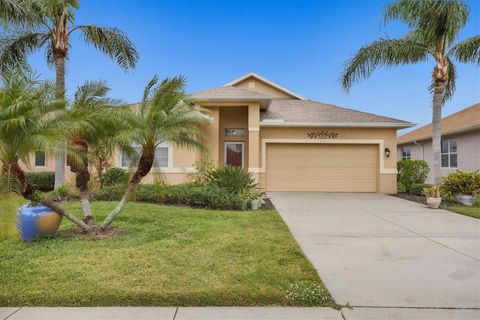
465 119
307 111
229 93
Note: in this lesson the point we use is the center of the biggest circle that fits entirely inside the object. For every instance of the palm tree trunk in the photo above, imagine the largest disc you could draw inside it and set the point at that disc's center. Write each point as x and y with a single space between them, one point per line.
60 95
82 177
57 208
14 171
132 186
144 166
436 133
440 77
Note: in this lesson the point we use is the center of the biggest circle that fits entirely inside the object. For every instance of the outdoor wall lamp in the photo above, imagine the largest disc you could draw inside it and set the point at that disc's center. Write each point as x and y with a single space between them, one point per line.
387 152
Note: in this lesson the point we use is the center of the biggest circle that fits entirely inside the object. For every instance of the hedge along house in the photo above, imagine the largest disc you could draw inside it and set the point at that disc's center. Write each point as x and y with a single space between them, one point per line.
289 143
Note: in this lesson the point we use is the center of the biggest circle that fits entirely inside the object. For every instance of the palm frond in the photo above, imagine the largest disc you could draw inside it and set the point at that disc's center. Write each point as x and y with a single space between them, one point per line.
17 13
29 119
91 90
15 48
467 51
113 42
383 52
437 21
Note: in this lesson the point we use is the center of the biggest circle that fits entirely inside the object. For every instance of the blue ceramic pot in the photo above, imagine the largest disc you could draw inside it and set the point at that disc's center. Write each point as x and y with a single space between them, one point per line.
37 222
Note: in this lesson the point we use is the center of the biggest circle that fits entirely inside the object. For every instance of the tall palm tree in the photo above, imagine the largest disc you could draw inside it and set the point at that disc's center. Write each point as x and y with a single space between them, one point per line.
96 121
434 28
166 114
49 24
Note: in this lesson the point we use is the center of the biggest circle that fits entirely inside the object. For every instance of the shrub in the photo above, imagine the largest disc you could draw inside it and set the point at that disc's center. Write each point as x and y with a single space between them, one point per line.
203 167
401 188
235 180
113 193
41 181
467 182
476 201
114 176
211 197
417 188
307 293
61 191
160 189
146 193
411 172
432 191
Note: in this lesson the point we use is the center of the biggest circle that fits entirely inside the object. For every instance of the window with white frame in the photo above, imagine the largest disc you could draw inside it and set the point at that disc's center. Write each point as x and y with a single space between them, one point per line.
161 156
406 153
40 159
449 154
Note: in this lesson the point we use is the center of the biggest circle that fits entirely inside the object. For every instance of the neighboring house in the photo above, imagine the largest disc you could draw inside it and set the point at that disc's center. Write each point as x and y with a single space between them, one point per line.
460 142
289 143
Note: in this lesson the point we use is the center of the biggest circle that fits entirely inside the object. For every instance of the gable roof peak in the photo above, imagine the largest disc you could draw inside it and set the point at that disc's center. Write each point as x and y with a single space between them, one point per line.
267 81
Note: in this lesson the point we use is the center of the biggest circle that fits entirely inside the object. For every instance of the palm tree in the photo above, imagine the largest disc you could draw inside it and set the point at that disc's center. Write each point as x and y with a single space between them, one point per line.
29 121
49 24
96 122
166 114
434 27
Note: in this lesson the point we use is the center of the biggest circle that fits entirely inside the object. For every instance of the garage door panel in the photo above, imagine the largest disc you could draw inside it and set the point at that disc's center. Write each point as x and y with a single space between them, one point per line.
322 174
327 168
331 162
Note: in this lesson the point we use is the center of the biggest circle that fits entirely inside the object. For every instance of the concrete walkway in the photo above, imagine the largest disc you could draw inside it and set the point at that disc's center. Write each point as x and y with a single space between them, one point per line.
374 250
151 313
234 313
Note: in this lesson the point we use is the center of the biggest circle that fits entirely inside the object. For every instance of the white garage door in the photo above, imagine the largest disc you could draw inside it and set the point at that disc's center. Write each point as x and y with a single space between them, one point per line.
321 167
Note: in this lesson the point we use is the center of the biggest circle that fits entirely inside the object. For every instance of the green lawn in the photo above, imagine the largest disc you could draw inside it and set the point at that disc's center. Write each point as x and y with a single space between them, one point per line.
468 211
164 256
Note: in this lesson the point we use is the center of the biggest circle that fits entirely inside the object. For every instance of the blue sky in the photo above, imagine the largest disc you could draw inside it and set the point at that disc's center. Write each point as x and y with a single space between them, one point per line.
301 45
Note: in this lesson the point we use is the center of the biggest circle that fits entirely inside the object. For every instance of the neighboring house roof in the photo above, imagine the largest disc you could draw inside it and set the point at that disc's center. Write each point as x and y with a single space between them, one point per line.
293 112
269 82
462 121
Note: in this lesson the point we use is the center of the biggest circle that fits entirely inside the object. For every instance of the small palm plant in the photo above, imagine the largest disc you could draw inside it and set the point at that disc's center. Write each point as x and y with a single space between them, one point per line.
434 28
30 120
96 122
166 114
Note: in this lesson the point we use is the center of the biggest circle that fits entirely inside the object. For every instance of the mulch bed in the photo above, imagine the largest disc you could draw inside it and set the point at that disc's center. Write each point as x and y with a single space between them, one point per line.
268 205
411 197
96 234
422 199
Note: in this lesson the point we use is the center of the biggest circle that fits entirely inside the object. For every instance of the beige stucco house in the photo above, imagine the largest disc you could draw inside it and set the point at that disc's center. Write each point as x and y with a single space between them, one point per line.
288 142
460 142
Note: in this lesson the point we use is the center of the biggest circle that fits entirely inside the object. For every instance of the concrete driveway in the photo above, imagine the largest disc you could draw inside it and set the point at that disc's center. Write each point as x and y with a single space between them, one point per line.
374 250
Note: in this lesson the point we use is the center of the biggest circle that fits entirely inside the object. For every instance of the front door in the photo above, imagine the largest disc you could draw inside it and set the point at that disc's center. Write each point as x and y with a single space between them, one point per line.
234 153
